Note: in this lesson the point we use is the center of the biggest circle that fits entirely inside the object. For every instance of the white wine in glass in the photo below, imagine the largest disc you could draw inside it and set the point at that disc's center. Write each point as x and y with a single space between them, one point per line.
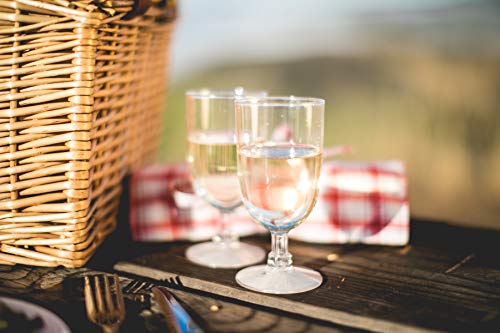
279 182
282 200
212 158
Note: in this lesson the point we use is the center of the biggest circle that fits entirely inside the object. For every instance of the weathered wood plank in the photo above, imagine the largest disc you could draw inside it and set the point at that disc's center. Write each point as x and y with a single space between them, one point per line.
231 317
60 290
420 288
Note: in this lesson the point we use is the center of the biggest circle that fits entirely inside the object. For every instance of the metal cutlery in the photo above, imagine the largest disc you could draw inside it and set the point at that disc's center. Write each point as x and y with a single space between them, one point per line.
104 308
178 319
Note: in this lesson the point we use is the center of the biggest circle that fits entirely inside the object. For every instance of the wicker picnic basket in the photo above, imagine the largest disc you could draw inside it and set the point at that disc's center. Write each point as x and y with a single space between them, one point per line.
82 85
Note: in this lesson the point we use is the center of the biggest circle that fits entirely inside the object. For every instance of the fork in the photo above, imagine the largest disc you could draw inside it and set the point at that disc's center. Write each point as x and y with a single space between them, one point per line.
139 291
103 310
138 287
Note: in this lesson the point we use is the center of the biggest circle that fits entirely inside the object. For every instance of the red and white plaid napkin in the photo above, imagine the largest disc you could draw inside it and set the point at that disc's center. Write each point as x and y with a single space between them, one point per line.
359 202
159 212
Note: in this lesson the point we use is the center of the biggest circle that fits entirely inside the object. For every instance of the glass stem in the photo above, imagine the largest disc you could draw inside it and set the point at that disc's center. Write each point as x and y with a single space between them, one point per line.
279 257
225 235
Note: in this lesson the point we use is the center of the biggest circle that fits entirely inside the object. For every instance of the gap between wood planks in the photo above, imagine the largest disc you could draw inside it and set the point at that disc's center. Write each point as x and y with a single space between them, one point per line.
460 263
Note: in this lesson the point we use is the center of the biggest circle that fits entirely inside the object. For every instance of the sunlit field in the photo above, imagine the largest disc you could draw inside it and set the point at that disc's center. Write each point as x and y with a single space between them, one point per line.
438 112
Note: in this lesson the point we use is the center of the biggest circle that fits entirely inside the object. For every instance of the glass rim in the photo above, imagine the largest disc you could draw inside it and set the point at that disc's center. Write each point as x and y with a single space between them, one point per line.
280 101
229 94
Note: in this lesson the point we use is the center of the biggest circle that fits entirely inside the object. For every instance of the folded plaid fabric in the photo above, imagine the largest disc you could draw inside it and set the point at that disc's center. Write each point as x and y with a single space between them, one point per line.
358 202
161 210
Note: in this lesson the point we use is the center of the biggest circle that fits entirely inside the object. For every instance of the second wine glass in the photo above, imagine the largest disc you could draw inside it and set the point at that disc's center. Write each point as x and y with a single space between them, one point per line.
212 160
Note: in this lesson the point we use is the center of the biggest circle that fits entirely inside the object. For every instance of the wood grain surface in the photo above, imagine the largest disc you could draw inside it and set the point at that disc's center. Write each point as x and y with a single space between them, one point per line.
448 279
60 290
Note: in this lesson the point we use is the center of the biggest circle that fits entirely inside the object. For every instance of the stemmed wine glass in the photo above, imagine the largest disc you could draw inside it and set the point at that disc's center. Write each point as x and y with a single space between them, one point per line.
280 142
212 161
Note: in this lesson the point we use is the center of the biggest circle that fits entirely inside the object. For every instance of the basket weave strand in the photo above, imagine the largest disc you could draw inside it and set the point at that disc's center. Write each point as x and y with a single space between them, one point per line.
81 96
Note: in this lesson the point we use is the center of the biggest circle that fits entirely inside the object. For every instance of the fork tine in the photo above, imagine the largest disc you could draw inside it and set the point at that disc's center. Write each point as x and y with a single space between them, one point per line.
89 300
119 296
132 288
135 287
148 286
140 287
107 294
129 286
98 295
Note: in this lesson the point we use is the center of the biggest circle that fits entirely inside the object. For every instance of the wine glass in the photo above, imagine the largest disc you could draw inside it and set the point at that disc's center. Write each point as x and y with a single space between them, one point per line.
280 142
212 160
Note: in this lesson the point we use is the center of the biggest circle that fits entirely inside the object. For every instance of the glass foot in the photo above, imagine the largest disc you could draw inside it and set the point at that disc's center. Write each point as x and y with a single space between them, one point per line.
270 280
225 255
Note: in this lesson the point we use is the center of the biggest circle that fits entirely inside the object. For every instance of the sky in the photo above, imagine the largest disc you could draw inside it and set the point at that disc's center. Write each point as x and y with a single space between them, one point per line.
218 32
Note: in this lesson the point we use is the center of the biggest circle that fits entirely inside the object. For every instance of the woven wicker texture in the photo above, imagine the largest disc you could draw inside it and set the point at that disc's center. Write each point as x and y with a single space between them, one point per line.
81 95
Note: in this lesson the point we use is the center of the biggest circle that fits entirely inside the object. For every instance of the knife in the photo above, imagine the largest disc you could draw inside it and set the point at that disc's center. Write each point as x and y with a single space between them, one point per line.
178 320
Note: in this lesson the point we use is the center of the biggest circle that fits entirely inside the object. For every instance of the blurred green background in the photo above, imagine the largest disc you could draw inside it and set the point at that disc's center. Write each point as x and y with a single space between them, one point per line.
414 81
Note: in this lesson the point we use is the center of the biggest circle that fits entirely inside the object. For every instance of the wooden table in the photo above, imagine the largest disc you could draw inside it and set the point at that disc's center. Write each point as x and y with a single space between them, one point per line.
447 279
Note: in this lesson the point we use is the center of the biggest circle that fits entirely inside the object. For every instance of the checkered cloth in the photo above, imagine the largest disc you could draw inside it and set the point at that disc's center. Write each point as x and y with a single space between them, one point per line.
160 210
359 202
